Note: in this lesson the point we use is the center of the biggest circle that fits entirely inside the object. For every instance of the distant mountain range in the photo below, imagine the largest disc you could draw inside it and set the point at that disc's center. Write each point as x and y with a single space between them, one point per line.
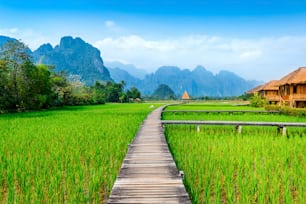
198 82
75 56
131 69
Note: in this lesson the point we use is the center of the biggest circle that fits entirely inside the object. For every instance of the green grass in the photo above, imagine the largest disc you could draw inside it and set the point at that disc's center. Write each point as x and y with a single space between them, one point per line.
256 167
71 155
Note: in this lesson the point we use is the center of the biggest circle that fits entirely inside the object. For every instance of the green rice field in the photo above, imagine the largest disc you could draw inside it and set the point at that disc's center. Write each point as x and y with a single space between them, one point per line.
71 155
222 166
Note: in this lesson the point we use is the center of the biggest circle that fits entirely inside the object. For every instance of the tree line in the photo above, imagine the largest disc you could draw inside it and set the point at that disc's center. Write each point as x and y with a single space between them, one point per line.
28 86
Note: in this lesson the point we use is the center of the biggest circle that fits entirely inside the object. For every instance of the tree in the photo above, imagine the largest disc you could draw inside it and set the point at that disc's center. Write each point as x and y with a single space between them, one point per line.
135 93
24 86
98 93
19 70
5 97
163 92
60 89
41 87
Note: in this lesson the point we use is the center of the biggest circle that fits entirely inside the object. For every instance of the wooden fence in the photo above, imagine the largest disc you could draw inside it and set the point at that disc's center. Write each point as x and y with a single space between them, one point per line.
219 111
280 125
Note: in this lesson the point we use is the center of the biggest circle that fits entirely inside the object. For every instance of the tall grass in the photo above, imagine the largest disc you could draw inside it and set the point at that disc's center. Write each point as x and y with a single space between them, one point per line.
256 167
65 156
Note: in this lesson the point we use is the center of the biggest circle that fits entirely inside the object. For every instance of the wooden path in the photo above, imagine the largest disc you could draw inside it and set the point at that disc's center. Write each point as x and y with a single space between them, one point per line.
148 173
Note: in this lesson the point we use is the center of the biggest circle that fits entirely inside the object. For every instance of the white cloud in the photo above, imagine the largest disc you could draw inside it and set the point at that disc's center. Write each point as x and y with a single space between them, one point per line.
28 36
262 59
110 24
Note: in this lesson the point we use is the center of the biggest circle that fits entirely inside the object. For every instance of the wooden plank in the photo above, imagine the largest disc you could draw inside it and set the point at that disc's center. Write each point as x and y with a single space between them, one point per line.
219 111
148 173
235 123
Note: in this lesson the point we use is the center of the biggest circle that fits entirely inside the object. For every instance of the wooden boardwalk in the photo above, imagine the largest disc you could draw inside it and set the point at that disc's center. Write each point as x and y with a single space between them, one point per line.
148 173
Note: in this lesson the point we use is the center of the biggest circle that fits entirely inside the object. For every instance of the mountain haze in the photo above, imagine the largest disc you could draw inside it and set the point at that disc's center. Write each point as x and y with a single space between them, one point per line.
130 68
119 75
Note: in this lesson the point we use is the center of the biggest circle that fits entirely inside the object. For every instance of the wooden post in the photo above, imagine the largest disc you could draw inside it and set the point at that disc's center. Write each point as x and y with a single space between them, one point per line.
181 174
198 128
282 130
239 129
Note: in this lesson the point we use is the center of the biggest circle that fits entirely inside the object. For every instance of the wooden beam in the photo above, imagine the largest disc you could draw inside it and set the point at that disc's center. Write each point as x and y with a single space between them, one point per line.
219 111
234 123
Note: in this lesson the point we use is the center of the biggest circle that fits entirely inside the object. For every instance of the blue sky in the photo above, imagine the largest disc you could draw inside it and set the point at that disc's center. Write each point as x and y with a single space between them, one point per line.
259 39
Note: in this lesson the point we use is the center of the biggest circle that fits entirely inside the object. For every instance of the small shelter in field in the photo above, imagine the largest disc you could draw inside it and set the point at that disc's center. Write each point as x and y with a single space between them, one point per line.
185 97
292 88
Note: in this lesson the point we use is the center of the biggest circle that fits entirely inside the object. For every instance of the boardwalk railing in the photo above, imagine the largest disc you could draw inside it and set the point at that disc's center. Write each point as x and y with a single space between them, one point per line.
219 111
281 125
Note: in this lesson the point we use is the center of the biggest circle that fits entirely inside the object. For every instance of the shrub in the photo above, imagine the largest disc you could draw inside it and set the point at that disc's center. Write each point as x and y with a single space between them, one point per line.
257 101
286 110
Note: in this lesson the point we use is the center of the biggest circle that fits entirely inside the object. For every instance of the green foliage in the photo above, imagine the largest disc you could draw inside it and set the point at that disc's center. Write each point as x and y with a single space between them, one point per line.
257 101
287 110
72 155
273 108
25 86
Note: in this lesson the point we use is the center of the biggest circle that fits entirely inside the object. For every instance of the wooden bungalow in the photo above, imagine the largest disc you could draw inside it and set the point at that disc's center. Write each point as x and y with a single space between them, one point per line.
270 91
292 88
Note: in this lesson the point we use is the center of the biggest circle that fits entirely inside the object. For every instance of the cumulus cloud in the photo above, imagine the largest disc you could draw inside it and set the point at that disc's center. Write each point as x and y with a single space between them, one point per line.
252 58
260 58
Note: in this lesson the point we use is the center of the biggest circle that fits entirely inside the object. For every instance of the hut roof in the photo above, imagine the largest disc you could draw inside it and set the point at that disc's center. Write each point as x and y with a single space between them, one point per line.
271 86
185 96
296 77
253 90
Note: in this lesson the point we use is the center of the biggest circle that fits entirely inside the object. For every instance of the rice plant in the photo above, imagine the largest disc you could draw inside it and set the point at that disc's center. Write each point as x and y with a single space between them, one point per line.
71 155
257 166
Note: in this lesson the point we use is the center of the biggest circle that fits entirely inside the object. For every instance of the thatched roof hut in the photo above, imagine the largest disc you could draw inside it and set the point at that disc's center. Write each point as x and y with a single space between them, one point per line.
185 96
254 90
296 77
270 86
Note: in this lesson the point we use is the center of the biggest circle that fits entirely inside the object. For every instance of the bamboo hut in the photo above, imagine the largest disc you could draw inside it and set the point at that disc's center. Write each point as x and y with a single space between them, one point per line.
292 88
270 91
